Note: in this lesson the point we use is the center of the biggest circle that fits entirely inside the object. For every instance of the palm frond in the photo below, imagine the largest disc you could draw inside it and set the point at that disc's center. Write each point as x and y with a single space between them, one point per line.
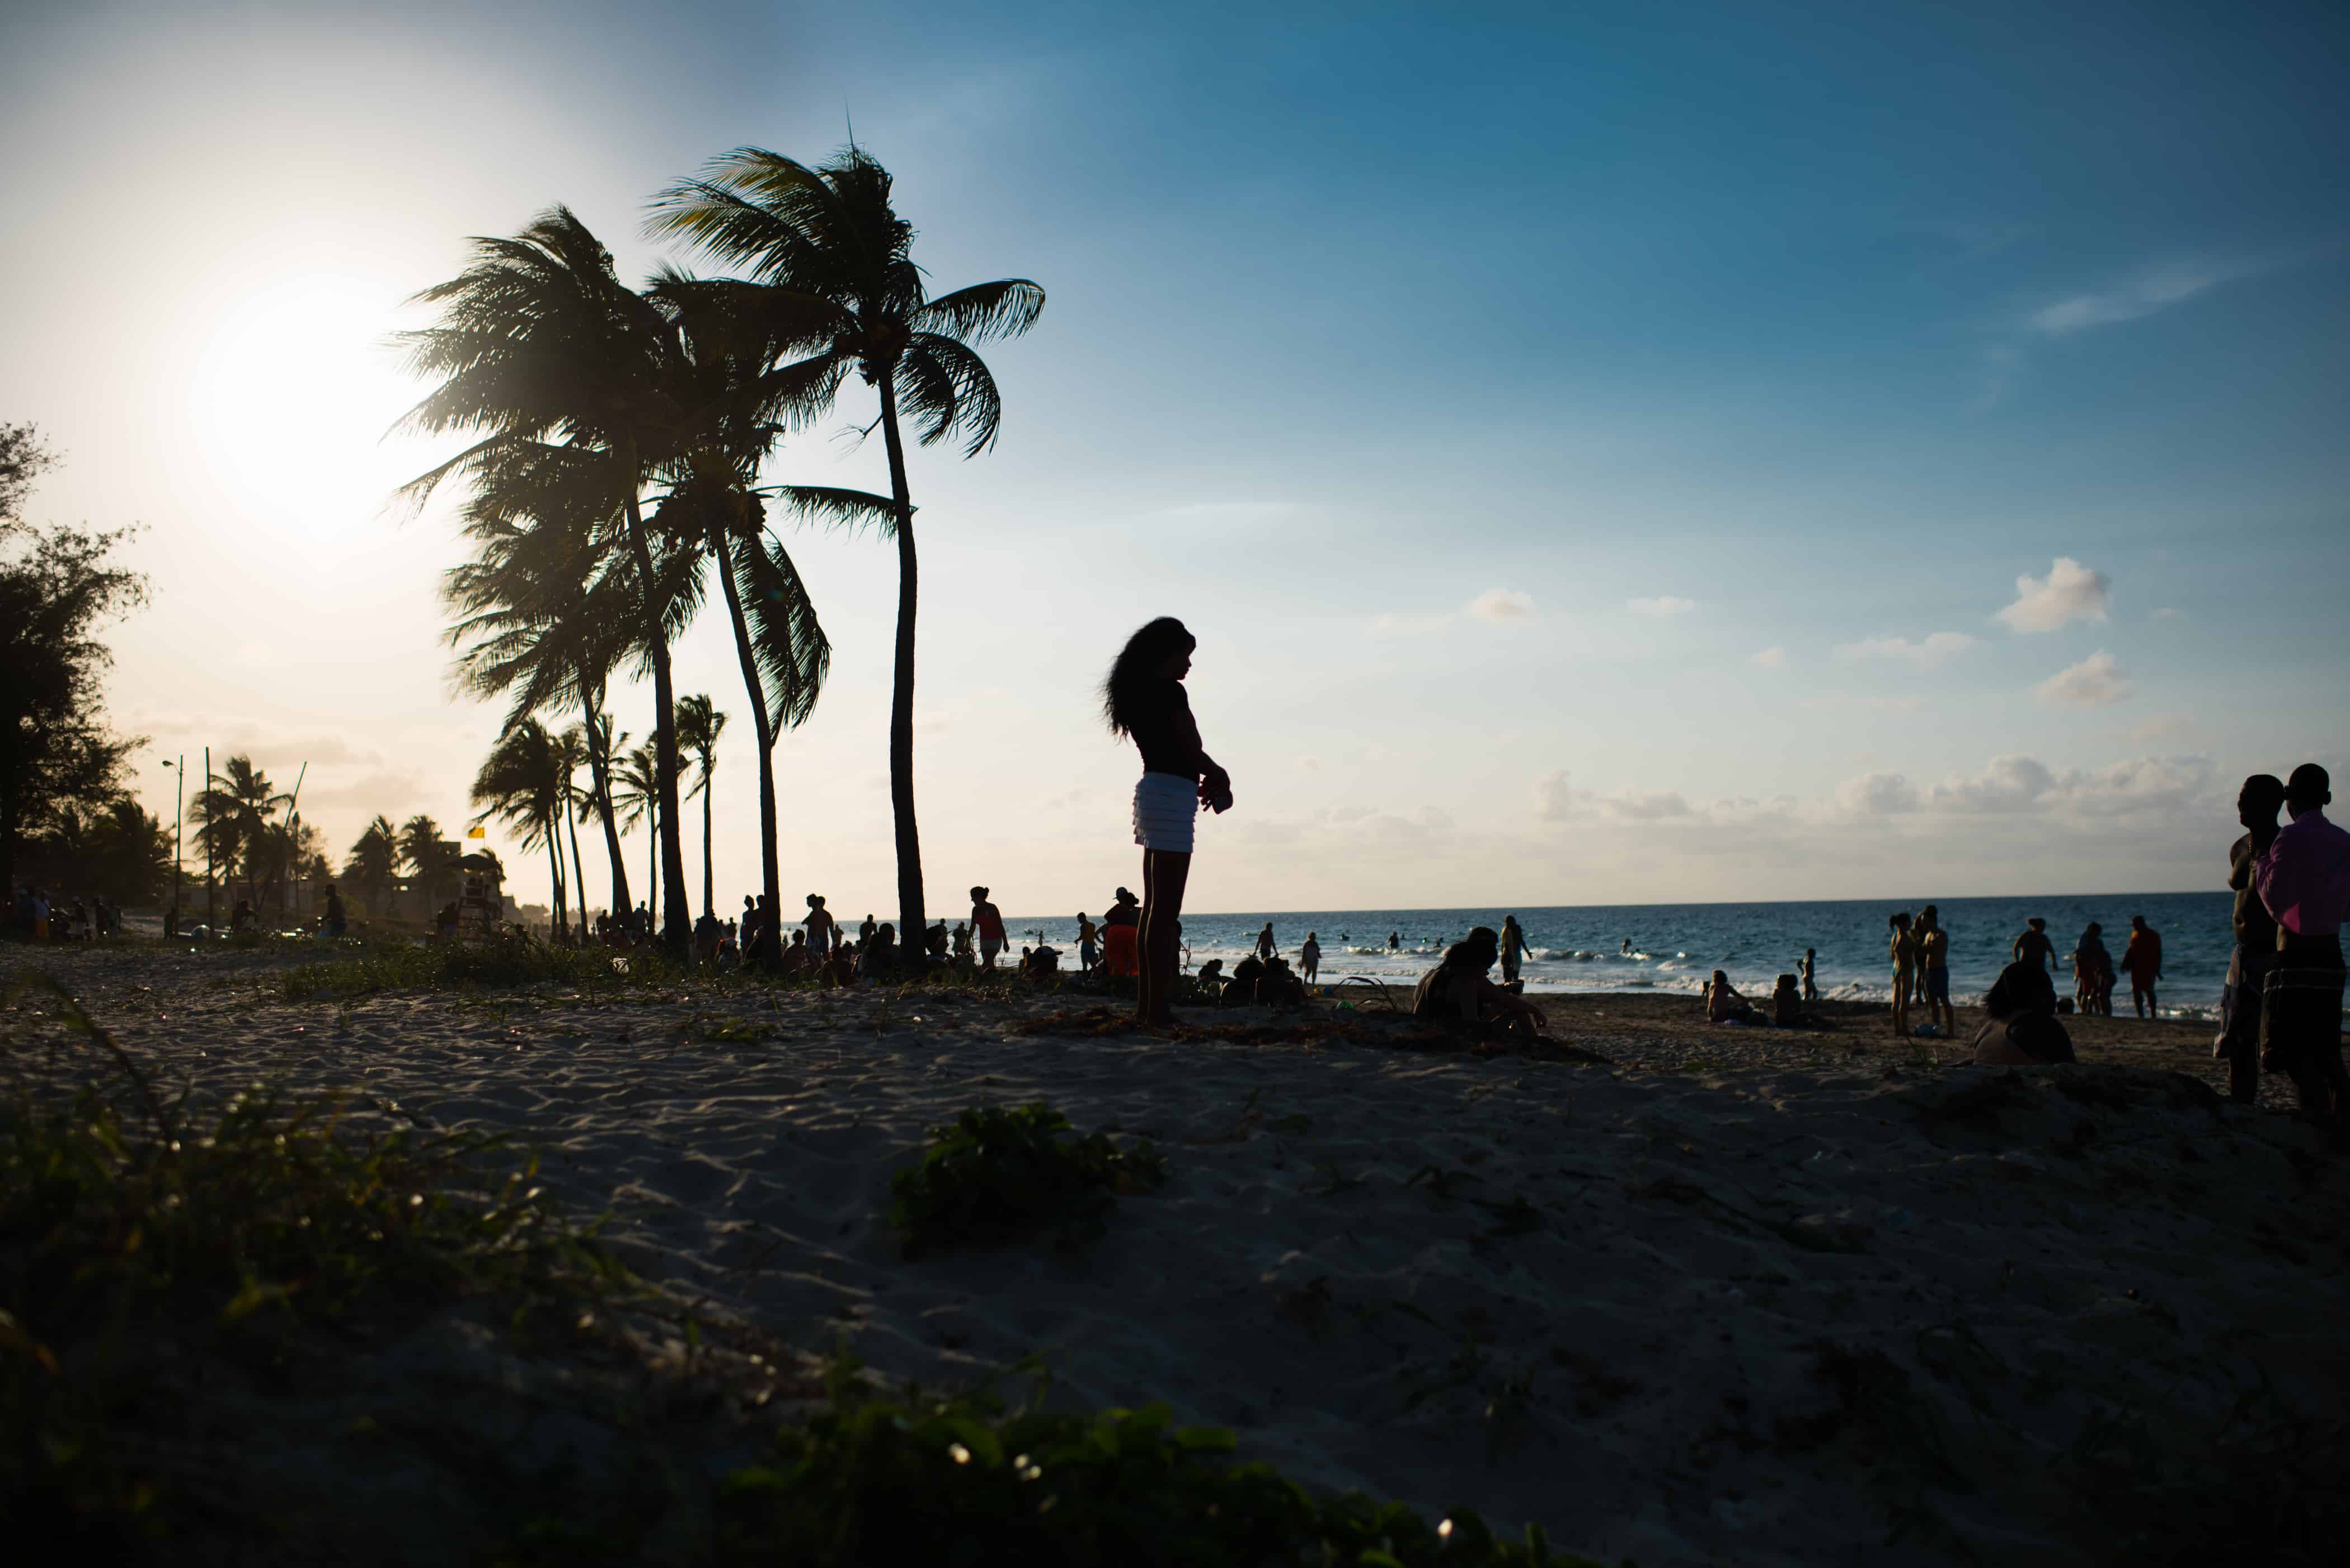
1005 308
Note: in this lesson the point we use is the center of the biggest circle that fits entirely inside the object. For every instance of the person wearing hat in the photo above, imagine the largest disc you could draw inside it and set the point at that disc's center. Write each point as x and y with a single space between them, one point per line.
987 924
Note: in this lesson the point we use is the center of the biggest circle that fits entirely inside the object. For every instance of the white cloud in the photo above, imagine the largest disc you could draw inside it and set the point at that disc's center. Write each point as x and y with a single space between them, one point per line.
1663 605
2070 591
1502 604
1877 795
2009 784
1770 659
2160 728
2154 289
1554 797
1928 652
2096 682
1645 807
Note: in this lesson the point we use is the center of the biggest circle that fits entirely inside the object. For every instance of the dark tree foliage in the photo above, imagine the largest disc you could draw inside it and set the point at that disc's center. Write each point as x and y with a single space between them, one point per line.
60 766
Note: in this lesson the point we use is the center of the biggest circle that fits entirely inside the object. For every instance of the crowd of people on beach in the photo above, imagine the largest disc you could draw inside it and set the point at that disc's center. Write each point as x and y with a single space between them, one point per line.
38 918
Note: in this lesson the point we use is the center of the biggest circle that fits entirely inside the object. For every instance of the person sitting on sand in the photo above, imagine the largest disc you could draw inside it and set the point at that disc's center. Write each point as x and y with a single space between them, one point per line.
2022 1030
877 955
2034 946
1457 992
1041 963
2143 959
1787 1004
1724 1004
1211 973
1309 958
1905 961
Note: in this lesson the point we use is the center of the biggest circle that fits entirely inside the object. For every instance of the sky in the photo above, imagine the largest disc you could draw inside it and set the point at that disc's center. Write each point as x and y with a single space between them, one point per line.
1613 453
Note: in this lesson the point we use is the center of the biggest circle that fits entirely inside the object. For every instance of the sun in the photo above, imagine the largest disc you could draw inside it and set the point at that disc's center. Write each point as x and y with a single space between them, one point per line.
290 392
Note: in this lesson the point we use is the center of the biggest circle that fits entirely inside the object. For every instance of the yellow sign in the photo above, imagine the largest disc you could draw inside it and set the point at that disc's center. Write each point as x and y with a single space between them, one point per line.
477 831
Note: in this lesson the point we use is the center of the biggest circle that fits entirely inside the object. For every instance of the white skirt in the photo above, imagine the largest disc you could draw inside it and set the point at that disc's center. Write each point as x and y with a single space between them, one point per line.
1166 806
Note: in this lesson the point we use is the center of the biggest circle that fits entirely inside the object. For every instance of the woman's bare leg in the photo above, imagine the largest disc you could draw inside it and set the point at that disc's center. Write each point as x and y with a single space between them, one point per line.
1164 873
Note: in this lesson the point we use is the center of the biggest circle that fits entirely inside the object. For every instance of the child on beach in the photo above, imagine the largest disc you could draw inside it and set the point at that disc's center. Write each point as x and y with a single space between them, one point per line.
988 923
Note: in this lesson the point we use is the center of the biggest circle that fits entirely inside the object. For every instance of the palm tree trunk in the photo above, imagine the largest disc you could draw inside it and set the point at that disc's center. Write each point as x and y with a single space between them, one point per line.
677 934
653 849
706 907
555 864
578 876
599 763
911 924
771 879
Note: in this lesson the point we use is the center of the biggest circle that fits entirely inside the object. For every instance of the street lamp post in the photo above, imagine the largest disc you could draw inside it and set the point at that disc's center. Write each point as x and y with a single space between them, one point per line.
211 918
179 800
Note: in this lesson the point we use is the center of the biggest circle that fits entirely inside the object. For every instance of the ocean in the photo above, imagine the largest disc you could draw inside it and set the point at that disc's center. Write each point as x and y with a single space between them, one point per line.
1676 947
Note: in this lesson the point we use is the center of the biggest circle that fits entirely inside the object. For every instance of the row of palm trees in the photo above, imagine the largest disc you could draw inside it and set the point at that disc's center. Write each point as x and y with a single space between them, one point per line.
244 839
619 437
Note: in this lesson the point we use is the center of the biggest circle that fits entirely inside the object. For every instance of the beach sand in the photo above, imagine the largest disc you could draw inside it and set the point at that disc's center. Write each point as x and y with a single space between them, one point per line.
1735 1294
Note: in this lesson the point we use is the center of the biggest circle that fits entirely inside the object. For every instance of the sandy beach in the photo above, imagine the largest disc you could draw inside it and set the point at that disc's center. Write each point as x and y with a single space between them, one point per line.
1752 1295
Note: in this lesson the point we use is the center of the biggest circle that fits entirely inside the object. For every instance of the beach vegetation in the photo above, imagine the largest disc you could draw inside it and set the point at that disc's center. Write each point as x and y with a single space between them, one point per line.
506 957
874 1477
142 1238
999 1175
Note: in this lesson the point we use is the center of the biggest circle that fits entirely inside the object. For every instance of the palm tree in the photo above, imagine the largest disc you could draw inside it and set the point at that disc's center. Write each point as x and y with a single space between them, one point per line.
235 809
699 725
374 861
525 782
637 793
429 856
836 281
571 746
540 346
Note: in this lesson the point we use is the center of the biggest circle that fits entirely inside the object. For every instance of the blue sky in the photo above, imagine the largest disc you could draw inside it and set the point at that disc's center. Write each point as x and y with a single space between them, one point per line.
1491 386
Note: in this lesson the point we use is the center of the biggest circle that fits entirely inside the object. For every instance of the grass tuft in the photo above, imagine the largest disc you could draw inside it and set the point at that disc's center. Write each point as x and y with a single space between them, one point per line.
998 1176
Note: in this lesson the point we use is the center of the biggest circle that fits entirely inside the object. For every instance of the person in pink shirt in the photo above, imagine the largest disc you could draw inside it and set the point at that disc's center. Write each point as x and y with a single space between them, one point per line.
2304 878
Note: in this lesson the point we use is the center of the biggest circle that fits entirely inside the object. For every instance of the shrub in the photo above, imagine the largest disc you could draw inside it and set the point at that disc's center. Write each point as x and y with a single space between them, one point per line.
1000 1175
510 957
871 1479
132 1232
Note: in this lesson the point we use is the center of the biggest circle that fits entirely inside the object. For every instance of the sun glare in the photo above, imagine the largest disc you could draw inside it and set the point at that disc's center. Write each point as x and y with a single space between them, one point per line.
291 393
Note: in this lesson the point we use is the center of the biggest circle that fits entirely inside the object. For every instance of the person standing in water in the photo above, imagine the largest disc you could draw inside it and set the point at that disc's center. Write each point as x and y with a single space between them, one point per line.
1265 945
1394 942
1811 990
2033 946
1309 958
1514 949
1143 699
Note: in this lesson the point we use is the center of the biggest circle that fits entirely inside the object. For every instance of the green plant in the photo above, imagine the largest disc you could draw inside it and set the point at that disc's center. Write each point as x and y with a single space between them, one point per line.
871 1479
507 956
137 1235
998 1175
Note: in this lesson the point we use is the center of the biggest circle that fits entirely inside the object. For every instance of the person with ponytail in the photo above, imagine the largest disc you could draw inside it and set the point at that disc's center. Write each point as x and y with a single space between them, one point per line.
1143 699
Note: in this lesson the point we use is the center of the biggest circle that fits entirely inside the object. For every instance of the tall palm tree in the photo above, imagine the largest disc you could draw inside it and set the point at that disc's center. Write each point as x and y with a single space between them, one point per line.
636 793
699 725
525 782
540 344
374 861
837 282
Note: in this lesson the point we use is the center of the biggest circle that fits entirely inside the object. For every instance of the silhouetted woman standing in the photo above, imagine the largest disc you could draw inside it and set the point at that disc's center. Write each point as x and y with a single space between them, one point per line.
1143 698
